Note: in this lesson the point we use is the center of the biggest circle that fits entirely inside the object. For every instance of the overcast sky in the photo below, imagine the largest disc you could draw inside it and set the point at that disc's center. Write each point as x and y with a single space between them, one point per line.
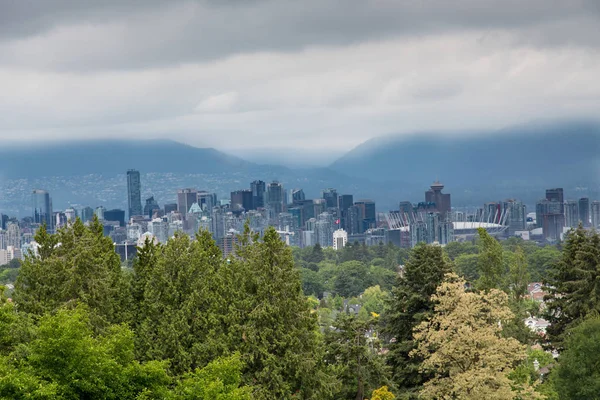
295 74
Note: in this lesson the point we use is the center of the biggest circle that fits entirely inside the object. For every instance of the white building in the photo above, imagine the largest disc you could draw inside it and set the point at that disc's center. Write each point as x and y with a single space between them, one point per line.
340 238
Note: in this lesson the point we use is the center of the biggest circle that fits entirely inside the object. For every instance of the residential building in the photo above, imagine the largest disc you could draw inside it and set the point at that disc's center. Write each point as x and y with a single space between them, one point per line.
571 208
185 199
595 213
13 235
150 207
584 211
259 189
241 200
442 201
275 199
340 238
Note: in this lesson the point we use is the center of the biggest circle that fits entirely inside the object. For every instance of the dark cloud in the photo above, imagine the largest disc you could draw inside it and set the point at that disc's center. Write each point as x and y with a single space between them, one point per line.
111 34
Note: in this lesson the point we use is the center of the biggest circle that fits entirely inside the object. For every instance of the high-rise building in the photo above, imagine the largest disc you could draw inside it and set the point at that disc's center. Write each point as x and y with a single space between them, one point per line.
275 199
150 206
99 211
87 214
340 238
595 211
60 219
241 200
552 226
441 200
115 215
170 207
298 196
571 208
368 214
584 211
320 206
556 194
134 193
547 207
185 199
331 197
345 201
71 214
42 208
517 216
354 220
207 200
13 235
3 221
324 230
259 189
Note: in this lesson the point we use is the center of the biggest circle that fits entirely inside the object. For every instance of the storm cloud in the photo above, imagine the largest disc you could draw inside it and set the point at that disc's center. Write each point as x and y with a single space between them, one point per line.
311 73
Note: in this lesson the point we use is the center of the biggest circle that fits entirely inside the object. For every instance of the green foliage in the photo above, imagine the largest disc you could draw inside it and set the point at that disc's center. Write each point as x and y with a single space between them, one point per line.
374 299
490 262
355 355
573 284
541 261
312 282
78 264
65 360
577 375
382 394
457 249
467 266
219 380
350 279
409 305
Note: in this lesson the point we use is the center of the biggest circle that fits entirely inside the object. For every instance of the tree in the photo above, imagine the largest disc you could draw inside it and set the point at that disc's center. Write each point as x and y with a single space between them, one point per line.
573 284
467 266
271 324
374 299
181 303
382 394
78 264
312 282
351 279
462 345
349 347
577 375
66 360
490 262
410 303
541 260
518 275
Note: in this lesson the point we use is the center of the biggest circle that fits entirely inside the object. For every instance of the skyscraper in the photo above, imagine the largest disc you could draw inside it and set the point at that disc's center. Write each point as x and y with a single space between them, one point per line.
584 211
258 194
275 198
185 199
517 216
298 196
595 211
571 208
207 200
441 200
134 193
241 199
331 197
42 208
150 207
556 194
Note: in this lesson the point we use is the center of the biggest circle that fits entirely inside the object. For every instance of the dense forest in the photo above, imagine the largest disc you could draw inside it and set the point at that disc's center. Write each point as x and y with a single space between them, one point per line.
274 322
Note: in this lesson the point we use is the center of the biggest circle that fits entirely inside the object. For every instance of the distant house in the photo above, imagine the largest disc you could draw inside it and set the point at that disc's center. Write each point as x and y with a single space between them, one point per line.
537 325
535 291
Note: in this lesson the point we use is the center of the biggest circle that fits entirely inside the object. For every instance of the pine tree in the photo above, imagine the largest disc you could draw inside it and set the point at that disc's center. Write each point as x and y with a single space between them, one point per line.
409 305
78 264
573 284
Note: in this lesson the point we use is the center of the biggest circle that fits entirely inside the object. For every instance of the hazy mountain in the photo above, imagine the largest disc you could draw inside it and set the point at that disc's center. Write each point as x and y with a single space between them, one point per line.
517 161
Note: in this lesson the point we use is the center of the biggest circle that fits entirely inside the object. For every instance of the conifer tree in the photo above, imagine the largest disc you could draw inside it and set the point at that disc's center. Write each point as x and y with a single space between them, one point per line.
573 284
410 304
78 264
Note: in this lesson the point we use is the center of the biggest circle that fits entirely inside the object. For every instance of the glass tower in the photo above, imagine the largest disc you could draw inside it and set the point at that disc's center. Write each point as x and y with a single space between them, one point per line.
134 193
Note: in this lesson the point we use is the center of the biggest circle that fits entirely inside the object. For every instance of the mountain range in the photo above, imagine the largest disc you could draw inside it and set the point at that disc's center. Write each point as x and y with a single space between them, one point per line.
519 162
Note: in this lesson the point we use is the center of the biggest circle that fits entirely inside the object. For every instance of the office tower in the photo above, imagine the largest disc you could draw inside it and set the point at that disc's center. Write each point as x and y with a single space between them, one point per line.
71 214
368 214
170 207
516 216
99 212
159 227
217 230
595 211
60 219
185 199
87 213
584 211
557 195
258 194
3 221
552 226
418 233
207 200
340 238
548 207
298 196
345 201
331 197
296 213
445 232
354 224
241 200
42 208
433 223
134 193
115 215
571 208
13 235
275 199
441 200
150 206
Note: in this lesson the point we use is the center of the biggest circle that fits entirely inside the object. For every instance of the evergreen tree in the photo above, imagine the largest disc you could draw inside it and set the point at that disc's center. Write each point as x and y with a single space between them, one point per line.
78 264
179 313
490 262
573 284
272 325
410 304
356 357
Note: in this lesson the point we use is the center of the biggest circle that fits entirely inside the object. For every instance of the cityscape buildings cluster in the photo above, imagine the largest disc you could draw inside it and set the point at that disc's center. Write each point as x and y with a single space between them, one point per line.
333 220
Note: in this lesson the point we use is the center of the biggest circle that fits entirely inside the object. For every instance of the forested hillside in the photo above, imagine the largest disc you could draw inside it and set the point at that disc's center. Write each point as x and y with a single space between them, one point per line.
280 323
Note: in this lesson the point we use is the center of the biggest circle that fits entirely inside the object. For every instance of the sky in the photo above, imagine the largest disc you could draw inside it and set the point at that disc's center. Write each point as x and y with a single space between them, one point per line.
317 76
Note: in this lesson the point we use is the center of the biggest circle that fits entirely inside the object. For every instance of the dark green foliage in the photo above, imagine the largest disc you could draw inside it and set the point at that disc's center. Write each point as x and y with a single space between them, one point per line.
410 304
312 283
78 264
541 261
573 284
467 265
351 278
355 355
578 374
